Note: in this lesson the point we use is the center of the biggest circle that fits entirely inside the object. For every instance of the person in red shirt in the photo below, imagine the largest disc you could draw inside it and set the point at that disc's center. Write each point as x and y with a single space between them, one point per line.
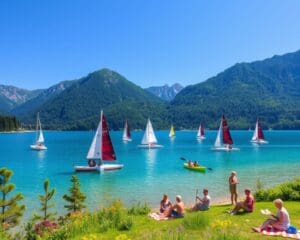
247 205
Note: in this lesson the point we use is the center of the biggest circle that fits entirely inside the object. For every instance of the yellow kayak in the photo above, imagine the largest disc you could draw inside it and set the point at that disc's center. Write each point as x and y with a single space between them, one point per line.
198 168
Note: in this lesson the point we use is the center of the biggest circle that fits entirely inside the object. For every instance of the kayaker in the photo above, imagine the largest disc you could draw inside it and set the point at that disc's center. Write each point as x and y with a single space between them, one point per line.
190 163
195 164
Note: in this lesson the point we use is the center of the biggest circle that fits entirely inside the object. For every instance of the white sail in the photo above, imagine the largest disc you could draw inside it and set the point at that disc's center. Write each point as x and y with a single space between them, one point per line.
95 148
126 137
125 132
218 139
149 136
199 132
41 135
255 134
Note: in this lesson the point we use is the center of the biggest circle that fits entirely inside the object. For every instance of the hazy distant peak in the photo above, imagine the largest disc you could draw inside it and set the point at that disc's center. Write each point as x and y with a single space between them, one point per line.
166 92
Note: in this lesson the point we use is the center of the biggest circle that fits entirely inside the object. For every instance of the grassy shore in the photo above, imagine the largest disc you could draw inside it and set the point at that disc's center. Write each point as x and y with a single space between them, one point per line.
116 222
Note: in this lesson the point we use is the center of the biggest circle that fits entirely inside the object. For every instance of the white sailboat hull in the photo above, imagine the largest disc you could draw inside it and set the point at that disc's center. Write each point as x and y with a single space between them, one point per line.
225 149
259 141
201 137
150 146
125 139
38 147
103 167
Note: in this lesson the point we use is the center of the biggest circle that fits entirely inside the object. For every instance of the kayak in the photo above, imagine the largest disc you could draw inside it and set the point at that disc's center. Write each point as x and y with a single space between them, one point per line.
198 168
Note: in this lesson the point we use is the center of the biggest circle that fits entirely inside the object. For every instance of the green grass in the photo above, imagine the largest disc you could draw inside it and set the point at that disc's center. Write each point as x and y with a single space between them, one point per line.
118 223
213 224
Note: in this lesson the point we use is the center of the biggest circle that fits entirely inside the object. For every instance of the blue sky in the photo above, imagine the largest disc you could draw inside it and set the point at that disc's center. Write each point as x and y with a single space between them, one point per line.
150 42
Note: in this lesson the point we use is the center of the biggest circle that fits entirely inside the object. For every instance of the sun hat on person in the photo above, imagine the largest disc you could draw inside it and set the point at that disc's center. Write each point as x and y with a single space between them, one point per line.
179 197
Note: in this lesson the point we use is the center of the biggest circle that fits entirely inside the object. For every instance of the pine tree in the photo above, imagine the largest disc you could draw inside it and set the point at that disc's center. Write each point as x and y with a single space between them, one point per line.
44 199
76 197
11 211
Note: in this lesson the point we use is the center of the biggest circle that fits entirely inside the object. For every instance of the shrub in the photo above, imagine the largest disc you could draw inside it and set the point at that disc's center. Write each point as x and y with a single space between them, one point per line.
139 209
125 224
286 191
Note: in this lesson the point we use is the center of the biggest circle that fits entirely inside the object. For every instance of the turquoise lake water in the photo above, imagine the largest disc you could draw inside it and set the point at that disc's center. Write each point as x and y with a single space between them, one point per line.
147 174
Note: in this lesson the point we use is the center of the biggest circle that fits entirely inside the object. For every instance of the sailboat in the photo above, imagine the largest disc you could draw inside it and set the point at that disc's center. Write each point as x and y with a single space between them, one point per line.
149 140
172 132
126 133
200 133
100 150
258 135
223 140
39 136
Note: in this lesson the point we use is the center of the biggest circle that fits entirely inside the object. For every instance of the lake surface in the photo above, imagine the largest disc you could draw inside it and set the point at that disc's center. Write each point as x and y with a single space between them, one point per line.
147 174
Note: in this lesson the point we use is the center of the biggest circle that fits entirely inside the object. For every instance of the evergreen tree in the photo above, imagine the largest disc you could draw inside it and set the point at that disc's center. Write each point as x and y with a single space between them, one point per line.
11 211
76 197
44 199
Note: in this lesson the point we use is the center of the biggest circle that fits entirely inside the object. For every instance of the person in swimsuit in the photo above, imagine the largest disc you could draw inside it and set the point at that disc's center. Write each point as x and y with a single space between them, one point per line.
164 203
176 210
280 221
233 181
246 205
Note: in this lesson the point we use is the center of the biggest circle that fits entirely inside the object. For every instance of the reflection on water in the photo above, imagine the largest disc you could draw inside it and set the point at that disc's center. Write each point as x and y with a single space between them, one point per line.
150 156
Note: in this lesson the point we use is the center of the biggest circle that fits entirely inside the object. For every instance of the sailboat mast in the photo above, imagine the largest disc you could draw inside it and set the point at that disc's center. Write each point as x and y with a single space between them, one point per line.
37 127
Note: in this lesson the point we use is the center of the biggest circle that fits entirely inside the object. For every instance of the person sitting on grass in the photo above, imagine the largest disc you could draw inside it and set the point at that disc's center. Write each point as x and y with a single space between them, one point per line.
202 204
246 205
164 203
280 221
176 210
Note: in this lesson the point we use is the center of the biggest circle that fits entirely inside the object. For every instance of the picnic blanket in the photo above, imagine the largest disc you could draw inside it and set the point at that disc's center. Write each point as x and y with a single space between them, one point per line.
157 217
273 232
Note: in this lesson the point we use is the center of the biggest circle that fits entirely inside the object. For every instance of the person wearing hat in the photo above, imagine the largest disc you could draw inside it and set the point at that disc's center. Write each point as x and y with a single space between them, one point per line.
175 210
246 205
233 181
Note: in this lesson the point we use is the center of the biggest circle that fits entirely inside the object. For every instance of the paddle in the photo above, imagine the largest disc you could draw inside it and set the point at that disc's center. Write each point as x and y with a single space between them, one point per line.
184 159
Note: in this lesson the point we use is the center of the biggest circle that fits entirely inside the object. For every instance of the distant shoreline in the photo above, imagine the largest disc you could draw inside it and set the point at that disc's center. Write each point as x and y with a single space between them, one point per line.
18 131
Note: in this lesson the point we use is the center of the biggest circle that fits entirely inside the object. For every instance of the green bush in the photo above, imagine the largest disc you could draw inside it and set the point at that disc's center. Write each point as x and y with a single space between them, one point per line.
139 209
114 217
125 224
289 191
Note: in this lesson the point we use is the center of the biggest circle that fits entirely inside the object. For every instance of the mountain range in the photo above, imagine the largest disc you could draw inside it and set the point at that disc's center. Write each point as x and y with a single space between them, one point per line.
166 92
267 89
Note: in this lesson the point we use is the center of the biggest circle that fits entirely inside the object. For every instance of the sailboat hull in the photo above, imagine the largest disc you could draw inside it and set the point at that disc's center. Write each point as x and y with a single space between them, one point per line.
201 138
103 167
150 146
259 141
127 139
225 149
38 147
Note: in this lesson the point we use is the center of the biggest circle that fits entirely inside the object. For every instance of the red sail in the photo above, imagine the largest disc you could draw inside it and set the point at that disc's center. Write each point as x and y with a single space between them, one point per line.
226 134
260 134
128 130
201 130
108 152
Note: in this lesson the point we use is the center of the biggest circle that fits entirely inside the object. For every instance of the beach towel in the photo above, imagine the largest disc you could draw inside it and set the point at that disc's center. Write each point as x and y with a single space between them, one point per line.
157 217
287 234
